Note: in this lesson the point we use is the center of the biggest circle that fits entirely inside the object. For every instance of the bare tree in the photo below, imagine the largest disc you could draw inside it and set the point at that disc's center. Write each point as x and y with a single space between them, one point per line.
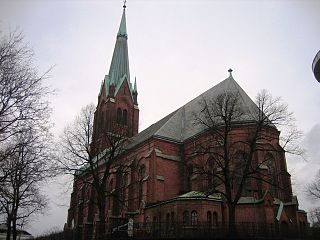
25 139
29 166
314 188
234 135
23 95
314 216
92 169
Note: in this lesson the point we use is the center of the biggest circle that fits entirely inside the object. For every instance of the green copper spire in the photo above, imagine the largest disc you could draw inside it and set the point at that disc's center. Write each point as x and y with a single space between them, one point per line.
119 68
123 27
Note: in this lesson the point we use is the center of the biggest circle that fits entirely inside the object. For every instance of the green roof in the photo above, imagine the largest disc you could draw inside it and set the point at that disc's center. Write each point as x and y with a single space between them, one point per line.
197 194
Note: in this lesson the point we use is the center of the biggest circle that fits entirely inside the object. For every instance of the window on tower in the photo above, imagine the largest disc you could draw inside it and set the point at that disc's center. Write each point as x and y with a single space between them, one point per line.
125 117
119 115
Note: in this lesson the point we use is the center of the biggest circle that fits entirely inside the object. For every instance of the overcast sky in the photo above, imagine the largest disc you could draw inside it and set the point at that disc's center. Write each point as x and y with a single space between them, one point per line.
177 49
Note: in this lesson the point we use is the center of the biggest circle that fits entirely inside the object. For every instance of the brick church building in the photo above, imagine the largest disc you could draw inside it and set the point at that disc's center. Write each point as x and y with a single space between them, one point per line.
165 188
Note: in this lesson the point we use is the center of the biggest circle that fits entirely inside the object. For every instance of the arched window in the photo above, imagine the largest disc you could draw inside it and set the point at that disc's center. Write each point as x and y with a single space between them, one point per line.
124 188
269 160
190 172
211 163
215 219
125 117
210 172
240 161
209 218
142 173
185 218
194 218
119 115
172 217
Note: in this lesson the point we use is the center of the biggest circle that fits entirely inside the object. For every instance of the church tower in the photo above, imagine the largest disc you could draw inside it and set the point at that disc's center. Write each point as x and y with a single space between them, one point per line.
117 101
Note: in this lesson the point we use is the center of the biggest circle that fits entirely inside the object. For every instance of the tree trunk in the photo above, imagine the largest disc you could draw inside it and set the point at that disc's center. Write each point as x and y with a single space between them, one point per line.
8 227
232 229
101 225
14 228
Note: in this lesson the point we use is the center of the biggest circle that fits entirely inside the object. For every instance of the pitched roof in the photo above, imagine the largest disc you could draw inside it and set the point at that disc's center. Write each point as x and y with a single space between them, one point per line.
179 125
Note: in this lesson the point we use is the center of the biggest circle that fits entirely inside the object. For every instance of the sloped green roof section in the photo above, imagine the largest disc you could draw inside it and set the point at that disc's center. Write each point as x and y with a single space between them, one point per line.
197 194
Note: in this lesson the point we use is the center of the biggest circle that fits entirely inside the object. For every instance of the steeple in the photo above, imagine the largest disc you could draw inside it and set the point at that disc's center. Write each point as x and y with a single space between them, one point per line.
119 68
117 101
123 27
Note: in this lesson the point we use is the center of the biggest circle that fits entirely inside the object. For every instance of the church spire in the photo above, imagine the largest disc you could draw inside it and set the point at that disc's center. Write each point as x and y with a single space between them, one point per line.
123 27
119 68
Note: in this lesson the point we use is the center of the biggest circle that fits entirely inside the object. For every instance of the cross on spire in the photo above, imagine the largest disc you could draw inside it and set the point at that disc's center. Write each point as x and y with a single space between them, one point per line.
124 4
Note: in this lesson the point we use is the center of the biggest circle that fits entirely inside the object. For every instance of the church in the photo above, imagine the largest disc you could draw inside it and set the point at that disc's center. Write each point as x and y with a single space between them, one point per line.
167 193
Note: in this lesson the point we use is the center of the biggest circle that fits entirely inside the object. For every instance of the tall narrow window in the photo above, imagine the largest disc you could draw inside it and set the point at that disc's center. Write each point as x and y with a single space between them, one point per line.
272 179
125 117
124 188
209 218
210 172
119 115
185 218
215 219
142 172
194 218
190 172
240 164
